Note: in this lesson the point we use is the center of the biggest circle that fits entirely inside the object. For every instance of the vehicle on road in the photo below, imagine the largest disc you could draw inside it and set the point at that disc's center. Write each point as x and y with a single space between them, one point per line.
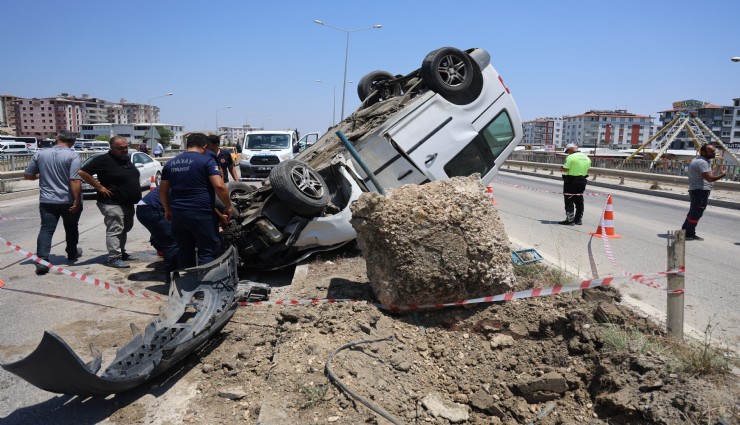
452 117
262 150
148 167
10 147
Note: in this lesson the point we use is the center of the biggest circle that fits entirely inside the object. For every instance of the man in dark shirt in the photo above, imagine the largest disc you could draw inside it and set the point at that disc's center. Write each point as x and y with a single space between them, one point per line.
223 159
118 190
190 182
150 213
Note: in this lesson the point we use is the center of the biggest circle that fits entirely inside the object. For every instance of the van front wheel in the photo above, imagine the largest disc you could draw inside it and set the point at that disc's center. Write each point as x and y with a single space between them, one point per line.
300 187
453 74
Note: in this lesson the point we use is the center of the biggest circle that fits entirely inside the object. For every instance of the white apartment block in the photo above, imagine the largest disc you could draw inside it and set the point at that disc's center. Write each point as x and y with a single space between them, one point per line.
545 132
234 135
617 129
134 133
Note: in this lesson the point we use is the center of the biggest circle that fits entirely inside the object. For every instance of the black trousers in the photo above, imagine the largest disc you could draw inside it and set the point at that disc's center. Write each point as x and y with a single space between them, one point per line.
699 199
573 187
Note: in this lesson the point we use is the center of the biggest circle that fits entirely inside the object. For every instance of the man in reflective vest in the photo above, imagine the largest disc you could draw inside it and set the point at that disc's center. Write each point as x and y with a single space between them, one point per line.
575 172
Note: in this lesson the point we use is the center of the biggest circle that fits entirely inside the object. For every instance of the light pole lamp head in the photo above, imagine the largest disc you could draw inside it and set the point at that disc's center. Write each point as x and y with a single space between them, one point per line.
377 26
736 59
316 21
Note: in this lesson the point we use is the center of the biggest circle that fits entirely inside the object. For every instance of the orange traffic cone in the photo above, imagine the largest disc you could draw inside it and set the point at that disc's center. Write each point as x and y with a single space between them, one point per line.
607 221
489 190
153 184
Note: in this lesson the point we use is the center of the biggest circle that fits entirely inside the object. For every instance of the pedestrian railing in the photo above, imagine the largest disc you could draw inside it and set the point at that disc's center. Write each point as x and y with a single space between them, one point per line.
664 167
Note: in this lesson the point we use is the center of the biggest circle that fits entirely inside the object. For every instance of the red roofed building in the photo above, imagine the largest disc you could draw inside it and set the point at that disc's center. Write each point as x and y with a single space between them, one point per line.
617 129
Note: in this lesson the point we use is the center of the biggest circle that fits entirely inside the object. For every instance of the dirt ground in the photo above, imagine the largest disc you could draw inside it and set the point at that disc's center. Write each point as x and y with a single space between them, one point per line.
544 360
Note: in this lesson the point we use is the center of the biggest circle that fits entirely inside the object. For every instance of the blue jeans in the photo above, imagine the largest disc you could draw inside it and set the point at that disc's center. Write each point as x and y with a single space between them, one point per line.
50 214
161 230
195 229
699 200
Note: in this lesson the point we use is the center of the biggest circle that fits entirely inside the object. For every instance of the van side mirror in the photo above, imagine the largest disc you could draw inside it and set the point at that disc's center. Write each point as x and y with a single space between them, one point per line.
296 148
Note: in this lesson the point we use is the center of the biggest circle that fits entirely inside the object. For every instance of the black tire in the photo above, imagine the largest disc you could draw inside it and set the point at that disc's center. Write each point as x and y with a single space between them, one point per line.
453 74
299 187
370 83
240 188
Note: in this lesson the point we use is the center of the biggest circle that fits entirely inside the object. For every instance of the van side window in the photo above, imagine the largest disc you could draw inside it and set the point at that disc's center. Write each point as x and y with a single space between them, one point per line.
480 154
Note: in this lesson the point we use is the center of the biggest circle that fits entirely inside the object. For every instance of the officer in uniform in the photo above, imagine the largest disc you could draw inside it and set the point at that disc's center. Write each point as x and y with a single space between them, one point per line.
575 172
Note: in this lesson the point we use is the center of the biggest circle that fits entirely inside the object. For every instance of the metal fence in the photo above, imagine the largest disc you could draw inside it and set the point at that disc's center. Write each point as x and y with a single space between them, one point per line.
20 162
664 167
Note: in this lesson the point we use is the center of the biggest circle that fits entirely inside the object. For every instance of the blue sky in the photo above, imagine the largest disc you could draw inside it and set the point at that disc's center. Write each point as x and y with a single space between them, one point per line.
263 58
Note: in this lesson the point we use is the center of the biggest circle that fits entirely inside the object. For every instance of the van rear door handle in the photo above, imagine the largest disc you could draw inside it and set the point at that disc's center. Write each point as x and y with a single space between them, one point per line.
430 158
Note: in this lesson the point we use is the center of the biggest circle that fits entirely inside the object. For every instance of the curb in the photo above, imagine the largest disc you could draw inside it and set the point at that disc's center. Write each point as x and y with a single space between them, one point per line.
676 196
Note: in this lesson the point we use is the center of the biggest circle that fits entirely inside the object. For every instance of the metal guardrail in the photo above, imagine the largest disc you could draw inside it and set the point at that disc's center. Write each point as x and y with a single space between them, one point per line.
20 162
663 167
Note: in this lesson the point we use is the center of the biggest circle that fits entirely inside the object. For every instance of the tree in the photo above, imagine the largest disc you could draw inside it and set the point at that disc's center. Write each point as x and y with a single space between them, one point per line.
102 138
165 136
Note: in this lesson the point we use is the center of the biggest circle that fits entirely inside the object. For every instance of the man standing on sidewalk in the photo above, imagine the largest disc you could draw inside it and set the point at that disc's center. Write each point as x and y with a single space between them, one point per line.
575 171
701 182
118 191
60 195
190 182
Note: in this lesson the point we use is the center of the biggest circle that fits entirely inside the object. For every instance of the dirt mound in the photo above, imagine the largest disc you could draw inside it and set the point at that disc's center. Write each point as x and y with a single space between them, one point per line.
548 358
436 243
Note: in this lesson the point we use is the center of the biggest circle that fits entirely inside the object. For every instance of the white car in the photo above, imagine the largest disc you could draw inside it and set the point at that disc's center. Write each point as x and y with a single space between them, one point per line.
148 167
452 117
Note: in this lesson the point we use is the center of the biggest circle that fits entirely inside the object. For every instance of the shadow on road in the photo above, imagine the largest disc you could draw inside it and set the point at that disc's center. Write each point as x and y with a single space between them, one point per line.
75 410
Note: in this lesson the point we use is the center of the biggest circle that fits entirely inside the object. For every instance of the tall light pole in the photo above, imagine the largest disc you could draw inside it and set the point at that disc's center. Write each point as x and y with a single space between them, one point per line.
334 100
346 54
152 140
220 109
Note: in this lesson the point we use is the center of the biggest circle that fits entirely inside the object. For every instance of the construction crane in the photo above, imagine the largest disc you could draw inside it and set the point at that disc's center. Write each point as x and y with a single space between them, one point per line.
696 129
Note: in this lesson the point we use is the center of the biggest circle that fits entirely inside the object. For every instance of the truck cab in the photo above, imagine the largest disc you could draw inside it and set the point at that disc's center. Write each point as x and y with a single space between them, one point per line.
262 150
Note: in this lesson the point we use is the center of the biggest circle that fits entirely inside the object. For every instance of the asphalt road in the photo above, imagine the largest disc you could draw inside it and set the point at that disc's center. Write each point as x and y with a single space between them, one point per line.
79 313
712 266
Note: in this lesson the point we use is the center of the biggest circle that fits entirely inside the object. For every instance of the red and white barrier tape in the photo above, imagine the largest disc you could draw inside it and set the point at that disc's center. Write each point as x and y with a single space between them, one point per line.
518 186
81 277
646 279
14 218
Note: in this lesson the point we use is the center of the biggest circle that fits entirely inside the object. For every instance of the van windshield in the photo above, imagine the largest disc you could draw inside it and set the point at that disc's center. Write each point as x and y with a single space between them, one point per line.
268 141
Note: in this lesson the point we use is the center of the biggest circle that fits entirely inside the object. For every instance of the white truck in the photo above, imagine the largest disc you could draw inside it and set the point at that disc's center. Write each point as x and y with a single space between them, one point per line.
454 116
262 150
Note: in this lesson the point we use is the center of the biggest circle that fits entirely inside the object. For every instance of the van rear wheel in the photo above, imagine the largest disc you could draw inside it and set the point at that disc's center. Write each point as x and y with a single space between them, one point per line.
453 74
299 187
371 82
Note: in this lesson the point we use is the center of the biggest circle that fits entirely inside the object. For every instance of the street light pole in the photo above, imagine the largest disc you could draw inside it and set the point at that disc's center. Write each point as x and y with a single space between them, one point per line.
346 55
151 119
220 109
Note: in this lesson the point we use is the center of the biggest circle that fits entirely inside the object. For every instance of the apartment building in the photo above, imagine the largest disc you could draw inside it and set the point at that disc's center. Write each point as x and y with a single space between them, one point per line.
617 129
724 121
234 135
134 133
546 132
44 118
7 111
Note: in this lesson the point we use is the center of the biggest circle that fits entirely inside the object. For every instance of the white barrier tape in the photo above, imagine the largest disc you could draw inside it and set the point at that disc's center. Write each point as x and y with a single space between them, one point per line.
646 279
81 277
